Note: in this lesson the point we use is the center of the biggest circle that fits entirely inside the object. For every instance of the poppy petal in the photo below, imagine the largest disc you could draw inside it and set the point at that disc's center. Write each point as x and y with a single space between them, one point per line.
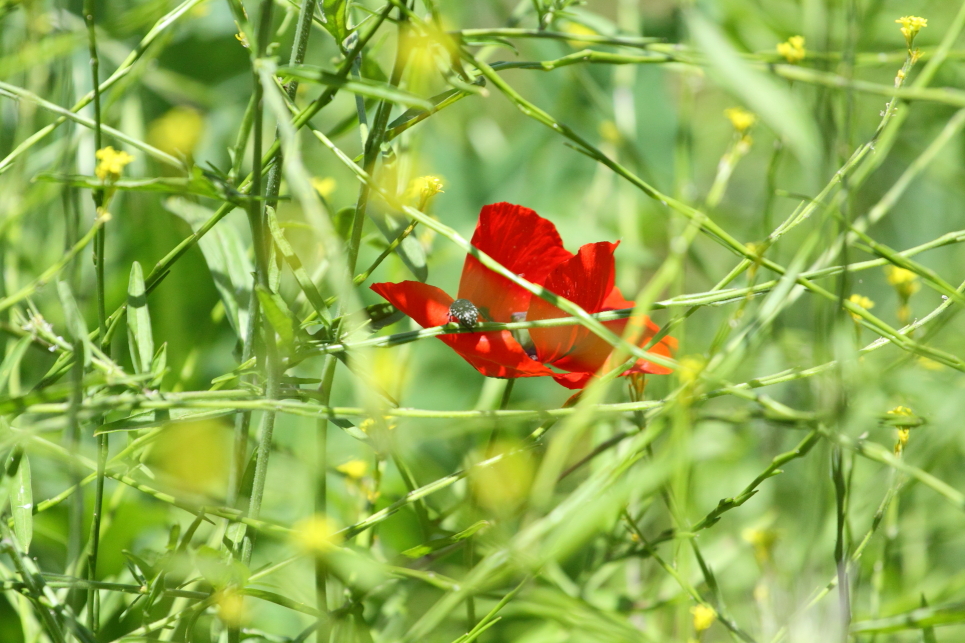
586 279
427 305
666 346
583 280
616 301
494 354
573 380
525 243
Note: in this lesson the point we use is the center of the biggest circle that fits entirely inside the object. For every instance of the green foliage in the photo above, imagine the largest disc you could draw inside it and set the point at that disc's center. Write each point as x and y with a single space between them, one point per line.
215 431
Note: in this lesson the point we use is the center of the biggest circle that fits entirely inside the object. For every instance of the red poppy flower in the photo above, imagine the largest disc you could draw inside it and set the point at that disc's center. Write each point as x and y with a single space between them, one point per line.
587 280
523 242
529 246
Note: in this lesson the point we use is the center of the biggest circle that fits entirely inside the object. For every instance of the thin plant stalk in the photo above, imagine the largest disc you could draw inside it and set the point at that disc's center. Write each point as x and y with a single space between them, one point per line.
100 240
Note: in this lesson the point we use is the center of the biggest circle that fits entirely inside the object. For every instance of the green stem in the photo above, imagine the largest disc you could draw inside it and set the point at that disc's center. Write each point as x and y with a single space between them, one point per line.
93 598
321 493
241 140
100 240
840 553
260 240
373 143
299 47
76 511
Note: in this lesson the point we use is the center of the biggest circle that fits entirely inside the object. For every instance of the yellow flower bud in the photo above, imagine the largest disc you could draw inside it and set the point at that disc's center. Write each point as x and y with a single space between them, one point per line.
903 434
704 616
792 50
740 118
231 608
354 469
325 187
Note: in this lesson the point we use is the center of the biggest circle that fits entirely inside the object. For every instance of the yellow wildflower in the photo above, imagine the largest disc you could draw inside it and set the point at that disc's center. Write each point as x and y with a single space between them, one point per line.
316 534
354 469
903 431
325 187
111 163
231 608
863 302
690 367
763 541
903 434
426 187
910 26
792 50
704 616
177 131
368 424
740 118
904 281
930 364
903 411
577 29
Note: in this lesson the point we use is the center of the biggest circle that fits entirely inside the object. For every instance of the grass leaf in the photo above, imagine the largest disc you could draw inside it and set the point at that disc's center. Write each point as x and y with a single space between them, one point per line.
226 257
76 326
139 332
278 315
298 270
336 19
21 503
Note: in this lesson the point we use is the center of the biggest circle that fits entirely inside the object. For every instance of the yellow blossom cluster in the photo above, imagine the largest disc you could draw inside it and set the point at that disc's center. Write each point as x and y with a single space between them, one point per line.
690 367
368 424
910 26
110 163
763 540
426 187
903 431
792 50
316 535
905 282
863 302
899 276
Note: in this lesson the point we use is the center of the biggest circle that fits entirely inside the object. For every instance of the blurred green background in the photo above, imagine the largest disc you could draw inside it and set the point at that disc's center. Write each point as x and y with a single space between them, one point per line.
664 120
